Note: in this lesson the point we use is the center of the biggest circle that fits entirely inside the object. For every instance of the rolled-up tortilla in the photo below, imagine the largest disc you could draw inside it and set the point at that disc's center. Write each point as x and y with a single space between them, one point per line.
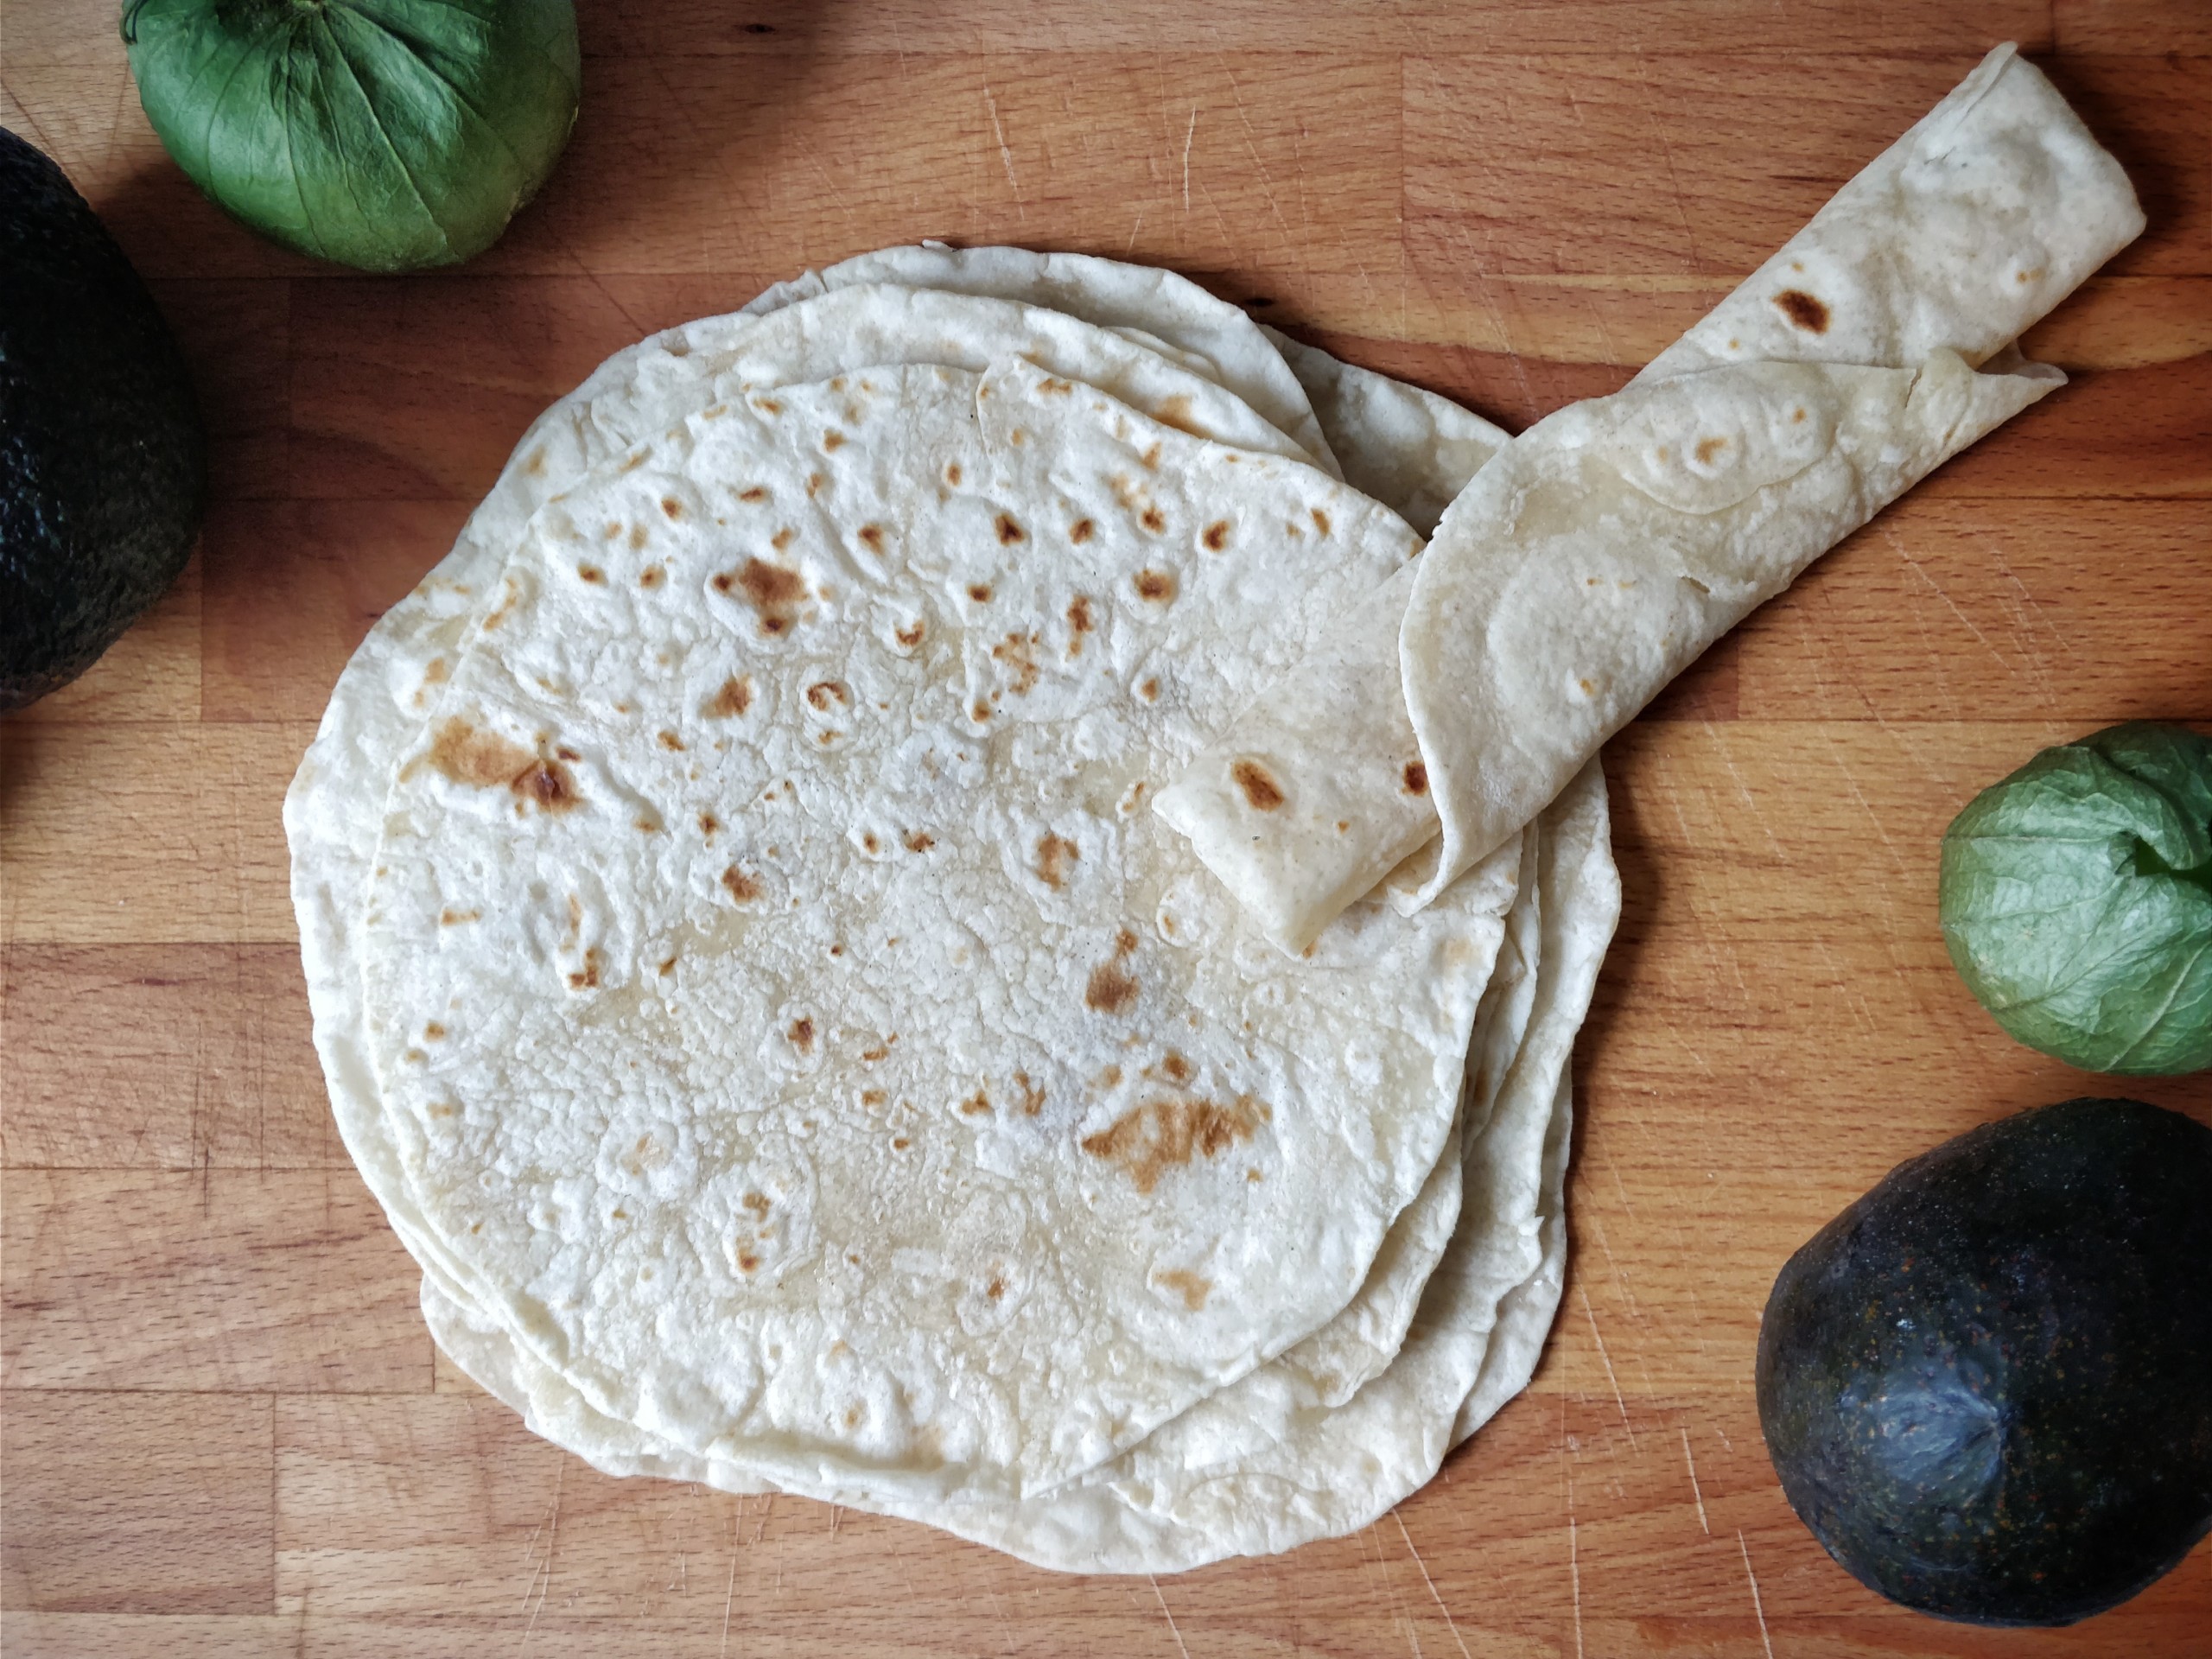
1599 553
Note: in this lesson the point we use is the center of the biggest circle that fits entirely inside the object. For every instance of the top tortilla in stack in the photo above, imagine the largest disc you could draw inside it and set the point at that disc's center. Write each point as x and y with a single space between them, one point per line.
315 784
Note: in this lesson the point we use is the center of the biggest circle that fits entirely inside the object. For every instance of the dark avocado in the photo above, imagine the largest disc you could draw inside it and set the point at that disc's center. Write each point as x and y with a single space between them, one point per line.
103 467
1987 1384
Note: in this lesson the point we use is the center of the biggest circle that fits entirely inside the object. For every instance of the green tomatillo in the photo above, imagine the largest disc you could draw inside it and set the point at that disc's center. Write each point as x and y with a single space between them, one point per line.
387 135
2076 900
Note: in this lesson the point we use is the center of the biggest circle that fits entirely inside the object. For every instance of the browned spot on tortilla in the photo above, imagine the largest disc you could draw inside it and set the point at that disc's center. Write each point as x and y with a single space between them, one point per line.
1079 613
1417 778
782 538
758 1203
734 699
1080 531
1111 990
909 637
1149 691
980 592
872 1096
871 842
1109 1077
1258 783
671 506
1056 387
433 1031
436 672
1708 448
1193 1288
652 576
773 592
1320 521
455 917
978 1102
872 536
1176 412
1149 1140
670 740
920 841
575 912
588 978
635 460
833 439
1150 460
1152 520
996 1290
743 887
1176 1067
952 472
1802 310
536 465
1009 529
823 693
980 712
1215 535
802 1035
1033 1095
668 966
1054 854
1797 417
758 492
767 405
1343 824
746 1261
872 1055
637 538
1156 586
485 760
1015 651
709 824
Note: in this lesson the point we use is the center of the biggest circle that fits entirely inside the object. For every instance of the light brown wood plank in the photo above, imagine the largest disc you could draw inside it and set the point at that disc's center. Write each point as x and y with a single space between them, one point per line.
128 832
160 1057
1951 609
2130 26
82 31
140 1636
685 169
224 1281
138 1504
316 574
1616 163
1658 27
419 388
1502 173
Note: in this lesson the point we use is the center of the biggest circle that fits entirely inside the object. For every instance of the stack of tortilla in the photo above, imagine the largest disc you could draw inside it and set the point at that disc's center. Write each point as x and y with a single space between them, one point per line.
753 975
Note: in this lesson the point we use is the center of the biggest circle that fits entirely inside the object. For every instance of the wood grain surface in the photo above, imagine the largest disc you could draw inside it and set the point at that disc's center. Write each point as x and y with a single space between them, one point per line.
224 1431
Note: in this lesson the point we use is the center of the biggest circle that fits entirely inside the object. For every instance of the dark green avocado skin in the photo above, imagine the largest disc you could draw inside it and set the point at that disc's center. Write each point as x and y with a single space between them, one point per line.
1987 1385
103 467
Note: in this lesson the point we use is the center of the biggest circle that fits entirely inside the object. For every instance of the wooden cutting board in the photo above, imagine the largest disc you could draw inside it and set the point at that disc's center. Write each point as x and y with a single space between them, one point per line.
225 1433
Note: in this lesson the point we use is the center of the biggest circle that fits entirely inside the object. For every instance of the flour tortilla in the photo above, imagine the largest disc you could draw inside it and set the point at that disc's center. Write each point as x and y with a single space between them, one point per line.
1353 415
1407 447
1256 1469
390 688
1606 547
628 1077
1159 308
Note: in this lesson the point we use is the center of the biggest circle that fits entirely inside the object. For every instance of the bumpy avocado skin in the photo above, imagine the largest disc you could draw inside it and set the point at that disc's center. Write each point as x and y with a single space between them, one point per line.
102 467
1987 1385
